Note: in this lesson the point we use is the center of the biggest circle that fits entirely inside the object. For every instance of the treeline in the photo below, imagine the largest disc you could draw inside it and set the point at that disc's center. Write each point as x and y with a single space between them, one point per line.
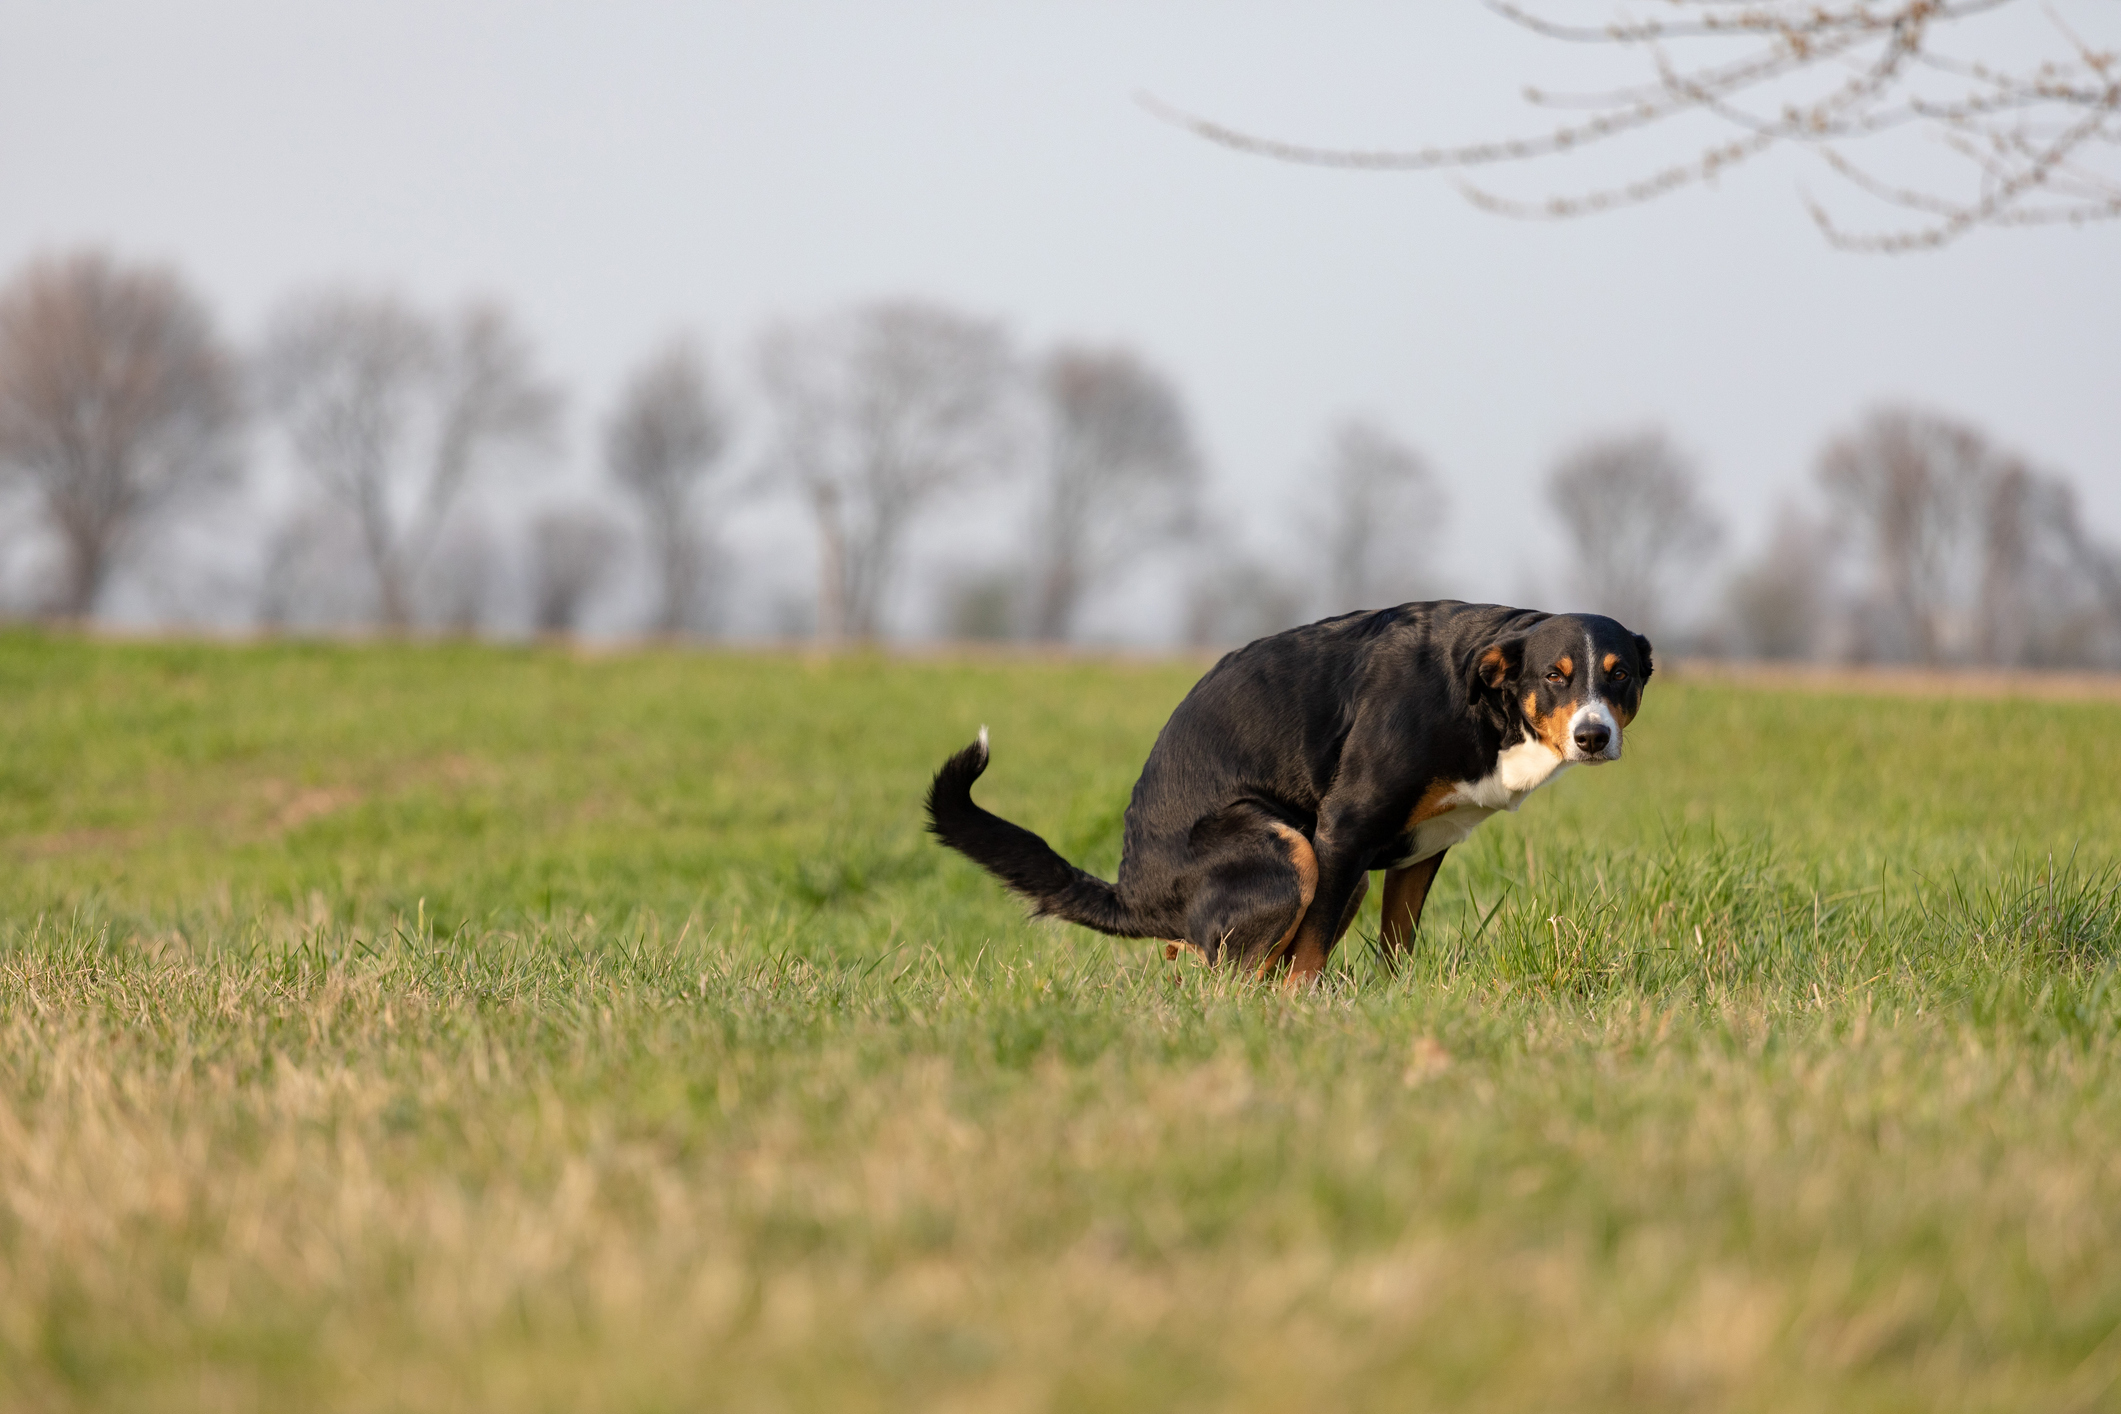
123 408
1919 540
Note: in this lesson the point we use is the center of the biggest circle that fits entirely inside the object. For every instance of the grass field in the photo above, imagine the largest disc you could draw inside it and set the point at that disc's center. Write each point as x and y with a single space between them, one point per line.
448 1027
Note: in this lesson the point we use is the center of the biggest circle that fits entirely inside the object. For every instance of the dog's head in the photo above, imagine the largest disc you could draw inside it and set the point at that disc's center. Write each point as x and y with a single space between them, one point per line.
1575 680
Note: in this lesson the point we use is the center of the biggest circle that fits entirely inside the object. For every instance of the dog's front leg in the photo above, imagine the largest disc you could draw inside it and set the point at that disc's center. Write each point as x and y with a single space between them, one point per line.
1406 891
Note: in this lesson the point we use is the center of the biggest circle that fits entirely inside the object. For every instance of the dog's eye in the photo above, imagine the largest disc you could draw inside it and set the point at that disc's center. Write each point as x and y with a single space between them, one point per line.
1556 675
1620 675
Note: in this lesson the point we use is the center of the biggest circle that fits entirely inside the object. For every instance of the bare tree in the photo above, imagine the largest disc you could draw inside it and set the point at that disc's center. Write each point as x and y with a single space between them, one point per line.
667 435
116 400
1630 510
1121 472
1779 604
2036 129
2096 567
572 552
393 411
875 412
1970 554
1909 485
1382 510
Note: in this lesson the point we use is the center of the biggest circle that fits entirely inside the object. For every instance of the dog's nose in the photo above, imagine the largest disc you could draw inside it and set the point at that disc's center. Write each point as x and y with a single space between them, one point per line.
1591 738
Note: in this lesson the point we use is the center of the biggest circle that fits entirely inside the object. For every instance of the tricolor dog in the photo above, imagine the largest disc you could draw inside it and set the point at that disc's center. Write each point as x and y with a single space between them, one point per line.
1304 761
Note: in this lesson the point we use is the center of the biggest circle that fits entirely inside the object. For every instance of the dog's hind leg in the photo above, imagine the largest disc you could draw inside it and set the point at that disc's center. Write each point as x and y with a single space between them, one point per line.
1305 861
1252 898
1307 961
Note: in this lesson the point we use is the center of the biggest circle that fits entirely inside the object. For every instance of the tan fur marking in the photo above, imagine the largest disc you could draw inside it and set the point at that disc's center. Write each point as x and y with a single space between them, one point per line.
1306 862
1623 713
1493 665
1551 729
1306 962
1433 803
1406 891
1301 856
1565 666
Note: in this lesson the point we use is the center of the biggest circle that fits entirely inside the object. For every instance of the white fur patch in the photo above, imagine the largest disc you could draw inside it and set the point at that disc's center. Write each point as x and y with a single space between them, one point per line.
1595 710
1519 770
1434 836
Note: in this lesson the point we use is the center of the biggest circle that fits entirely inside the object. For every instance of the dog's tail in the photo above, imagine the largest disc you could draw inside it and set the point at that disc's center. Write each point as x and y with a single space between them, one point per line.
1017 857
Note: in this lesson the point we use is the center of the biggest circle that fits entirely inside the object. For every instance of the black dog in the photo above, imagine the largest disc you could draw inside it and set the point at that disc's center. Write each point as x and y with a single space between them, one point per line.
1305 760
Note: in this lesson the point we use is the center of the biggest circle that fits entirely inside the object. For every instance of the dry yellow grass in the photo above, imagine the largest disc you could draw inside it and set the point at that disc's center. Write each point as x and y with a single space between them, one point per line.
409 1179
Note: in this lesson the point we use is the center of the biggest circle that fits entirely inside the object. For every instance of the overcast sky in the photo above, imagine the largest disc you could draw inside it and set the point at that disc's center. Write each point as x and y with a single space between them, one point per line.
623 171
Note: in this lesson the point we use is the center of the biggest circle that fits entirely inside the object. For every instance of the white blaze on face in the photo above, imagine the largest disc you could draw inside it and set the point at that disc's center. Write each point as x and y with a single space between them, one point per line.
1594 710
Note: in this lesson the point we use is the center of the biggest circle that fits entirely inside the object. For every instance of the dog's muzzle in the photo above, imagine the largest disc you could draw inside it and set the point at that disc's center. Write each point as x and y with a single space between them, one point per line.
1593 734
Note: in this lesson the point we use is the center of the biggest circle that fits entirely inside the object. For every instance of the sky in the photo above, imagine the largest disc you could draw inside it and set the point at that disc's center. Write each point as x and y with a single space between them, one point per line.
621 172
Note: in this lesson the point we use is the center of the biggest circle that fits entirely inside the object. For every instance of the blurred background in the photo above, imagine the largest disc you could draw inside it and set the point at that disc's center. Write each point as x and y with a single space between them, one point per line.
926 321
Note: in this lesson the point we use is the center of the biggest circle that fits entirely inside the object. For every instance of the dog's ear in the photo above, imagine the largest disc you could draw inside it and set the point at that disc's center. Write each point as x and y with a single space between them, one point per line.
1494 665
1642 652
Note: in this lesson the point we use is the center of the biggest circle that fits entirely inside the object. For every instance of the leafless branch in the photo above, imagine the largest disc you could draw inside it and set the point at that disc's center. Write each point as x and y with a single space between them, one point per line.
1812 75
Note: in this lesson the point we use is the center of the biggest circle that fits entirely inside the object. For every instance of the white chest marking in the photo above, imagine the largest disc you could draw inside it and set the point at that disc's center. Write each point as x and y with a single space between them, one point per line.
1519 770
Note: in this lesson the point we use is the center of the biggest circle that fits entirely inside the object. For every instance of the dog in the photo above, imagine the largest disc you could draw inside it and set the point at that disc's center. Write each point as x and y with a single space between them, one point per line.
1304 761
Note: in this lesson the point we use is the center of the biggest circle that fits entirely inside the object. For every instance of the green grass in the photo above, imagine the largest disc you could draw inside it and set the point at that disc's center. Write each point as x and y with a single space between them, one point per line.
445 1027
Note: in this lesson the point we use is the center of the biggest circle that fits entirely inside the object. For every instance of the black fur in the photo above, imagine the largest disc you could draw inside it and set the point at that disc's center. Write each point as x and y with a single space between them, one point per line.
1331 732
1017 857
